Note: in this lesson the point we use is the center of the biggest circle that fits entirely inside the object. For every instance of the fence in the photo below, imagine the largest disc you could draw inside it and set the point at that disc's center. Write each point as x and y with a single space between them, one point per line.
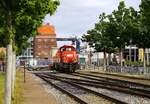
117 69
128 69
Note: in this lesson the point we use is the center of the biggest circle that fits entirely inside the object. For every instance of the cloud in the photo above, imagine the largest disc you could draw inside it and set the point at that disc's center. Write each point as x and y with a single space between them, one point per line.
78 16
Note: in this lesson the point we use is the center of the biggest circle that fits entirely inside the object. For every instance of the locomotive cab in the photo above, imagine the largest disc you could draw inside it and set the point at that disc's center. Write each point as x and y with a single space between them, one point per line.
67 59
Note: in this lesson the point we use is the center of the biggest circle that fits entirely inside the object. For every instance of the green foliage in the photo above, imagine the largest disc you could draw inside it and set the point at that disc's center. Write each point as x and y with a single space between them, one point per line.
144 36
98 38
145 11
115 30
18 93
123 25
133 63
2 78
20 18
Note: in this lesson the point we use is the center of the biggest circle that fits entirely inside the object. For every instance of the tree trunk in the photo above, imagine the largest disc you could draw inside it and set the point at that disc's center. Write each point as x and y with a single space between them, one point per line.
13 72
130 55
147 57
121 59
8 74
135 55
104 61
109 59
9 58
97 58
144 61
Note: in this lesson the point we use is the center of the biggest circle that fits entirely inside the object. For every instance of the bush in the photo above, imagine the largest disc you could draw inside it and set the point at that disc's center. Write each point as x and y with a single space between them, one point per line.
133 63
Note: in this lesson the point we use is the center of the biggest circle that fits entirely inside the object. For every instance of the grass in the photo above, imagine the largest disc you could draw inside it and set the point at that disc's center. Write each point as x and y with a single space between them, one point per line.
18 98
2 78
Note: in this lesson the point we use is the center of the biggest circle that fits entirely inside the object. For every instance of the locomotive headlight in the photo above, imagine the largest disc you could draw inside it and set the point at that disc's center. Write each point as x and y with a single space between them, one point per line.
69 55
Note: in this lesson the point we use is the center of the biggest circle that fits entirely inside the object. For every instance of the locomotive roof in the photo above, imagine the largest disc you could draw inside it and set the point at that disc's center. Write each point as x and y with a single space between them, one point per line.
67 46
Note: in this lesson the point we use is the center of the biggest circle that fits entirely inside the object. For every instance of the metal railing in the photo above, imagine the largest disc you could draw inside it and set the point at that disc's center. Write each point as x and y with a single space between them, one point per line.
118 69
128 69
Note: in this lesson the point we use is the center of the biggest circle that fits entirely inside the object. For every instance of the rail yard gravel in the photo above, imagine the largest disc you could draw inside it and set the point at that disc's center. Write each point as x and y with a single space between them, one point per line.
60 97
65 99
142 81
88 97
130 99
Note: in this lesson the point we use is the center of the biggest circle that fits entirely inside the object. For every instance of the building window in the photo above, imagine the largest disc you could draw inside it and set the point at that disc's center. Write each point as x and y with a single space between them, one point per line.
39 40
25 54
45 53
39 46
52 40
46 46
45 40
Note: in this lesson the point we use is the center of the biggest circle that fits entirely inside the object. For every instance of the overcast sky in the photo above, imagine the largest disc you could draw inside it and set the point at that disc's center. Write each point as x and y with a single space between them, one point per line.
75 17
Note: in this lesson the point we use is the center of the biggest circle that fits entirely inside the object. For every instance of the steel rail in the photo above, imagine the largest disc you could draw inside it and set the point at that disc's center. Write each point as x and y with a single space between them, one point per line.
114 79
109 82
123 76
117 101
99 81
62 90
101 85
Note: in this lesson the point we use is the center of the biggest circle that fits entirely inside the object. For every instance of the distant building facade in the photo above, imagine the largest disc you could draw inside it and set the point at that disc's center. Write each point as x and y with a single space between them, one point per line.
44 41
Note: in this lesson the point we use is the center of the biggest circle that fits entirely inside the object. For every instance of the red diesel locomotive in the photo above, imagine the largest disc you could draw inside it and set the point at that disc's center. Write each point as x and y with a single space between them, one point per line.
66 59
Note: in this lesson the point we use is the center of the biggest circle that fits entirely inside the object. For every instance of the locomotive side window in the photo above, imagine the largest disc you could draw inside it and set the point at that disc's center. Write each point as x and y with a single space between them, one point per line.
68 49
62 49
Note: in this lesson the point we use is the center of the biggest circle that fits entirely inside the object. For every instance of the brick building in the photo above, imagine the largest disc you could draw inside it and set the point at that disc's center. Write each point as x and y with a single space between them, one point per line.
44 41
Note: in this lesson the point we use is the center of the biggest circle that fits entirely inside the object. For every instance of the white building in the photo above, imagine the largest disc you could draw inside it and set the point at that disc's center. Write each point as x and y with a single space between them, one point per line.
27 55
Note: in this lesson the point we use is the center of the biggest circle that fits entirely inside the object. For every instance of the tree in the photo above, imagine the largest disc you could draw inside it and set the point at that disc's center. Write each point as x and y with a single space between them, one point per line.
19 20
98 38
123 27
144 36
115 30
145 13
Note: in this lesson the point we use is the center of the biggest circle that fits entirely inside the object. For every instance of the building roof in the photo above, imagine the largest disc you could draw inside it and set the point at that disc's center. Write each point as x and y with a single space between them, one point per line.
46 30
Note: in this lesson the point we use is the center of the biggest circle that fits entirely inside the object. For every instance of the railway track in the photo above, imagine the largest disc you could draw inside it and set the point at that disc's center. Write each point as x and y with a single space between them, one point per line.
117 75
53 80
119 85
99 84
114 80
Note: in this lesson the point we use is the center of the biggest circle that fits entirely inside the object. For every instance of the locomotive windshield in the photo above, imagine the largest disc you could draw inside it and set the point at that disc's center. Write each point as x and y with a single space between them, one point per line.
67 49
